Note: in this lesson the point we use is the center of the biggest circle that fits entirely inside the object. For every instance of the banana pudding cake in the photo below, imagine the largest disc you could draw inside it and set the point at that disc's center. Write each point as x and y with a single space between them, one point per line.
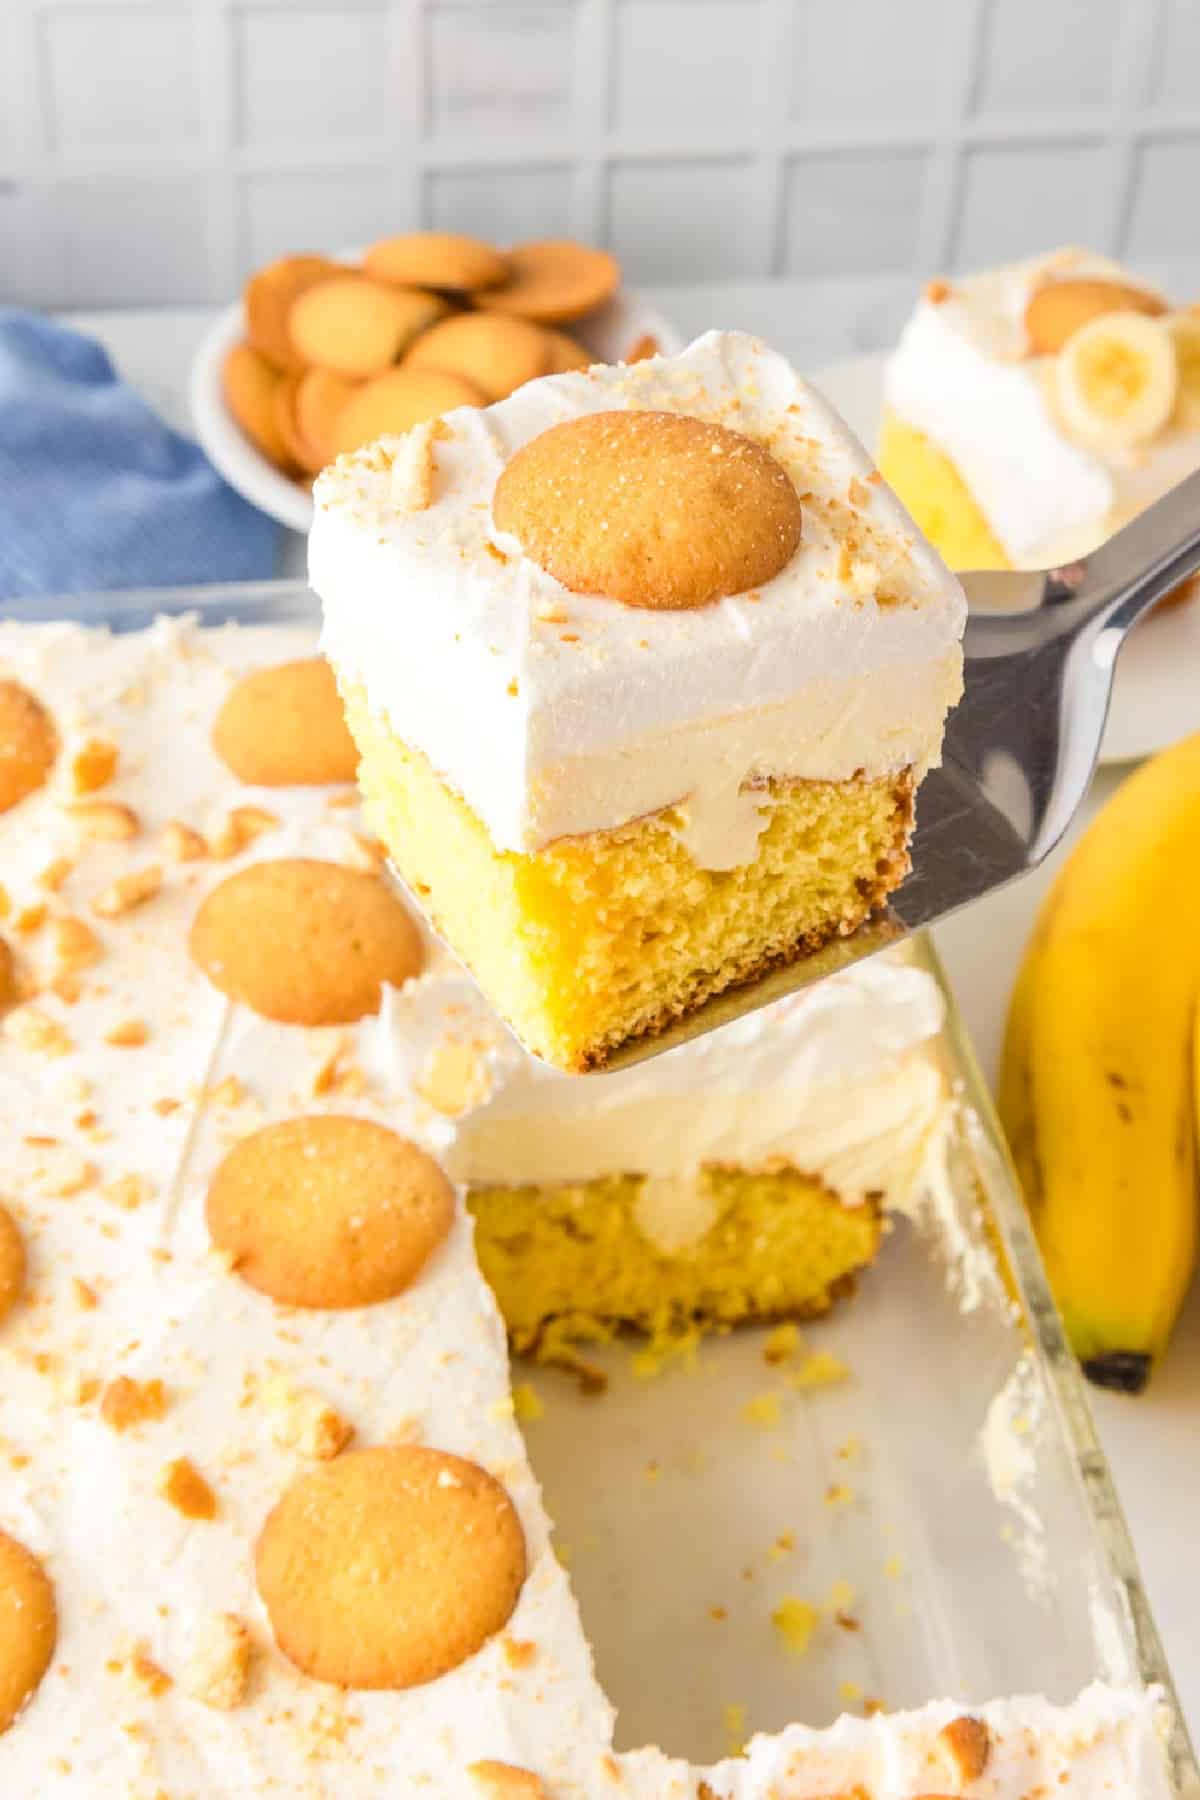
267 1522
744 1176
644 665
1031 411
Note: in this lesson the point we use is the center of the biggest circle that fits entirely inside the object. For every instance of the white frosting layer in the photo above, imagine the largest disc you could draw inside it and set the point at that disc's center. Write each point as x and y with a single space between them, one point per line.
838 1082
554 713
963 374
431 1365
1103 1745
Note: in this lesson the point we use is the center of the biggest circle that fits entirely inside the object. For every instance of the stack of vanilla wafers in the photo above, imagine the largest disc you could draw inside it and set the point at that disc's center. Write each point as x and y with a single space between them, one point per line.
338 354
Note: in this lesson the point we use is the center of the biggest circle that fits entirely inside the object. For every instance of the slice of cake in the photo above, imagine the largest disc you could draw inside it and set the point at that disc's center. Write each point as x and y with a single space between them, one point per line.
645 666
267 1522
741 1177
1031 411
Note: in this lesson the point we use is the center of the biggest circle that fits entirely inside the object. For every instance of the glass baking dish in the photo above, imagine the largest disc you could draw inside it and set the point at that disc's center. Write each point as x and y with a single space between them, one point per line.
749 1550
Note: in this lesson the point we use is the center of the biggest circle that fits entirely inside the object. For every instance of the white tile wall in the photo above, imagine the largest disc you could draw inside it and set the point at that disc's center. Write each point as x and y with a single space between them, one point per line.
154 150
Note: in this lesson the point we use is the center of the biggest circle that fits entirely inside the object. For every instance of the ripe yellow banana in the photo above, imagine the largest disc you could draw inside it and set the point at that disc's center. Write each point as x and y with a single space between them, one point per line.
1100 1079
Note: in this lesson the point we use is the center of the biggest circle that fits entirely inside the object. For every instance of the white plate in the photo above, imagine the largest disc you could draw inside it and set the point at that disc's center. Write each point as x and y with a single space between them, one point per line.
609 333
1156 697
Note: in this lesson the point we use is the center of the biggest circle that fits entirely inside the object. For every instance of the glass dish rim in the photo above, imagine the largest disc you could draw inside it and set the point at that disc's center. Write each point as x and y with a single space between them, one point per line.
982 1141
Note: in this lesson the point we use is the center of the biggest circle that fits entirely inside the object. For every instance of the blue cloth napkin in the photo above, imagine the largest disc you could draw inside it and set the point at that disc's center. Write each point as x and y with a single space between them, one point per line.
95 491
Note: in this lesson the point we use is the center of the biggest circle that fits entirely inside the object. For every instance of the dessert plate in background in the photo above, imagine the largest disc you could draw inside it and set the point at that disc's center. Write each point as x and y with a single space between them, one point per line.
1156 696
609 332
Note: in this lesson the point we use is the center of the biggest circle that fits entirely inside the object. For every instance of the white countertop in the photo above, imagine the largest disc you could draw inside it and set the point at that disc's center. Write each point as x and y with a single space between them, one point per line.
1153 1441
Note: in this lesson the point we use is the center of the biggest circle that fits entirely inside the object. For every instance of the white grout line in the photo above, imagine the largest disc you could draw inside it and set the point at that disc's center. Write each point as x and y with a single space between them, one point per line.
776 69
218 56
1139 39
937 231
407 89
591 109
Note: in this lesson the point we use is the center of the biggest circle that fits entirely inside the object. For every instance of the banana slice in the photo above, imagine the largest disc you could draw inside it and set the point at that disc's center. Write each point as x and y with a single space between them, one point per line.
1185 335
1117 381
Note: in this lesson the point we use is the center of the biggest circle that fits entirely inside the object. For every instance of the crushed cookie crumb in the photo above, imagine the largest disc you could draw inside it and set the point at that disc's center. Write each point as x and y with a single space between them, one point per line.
966 1745
29 1028
75 945
126 1402
104 821
238 829
182 844
56 873
325 1074
937 292
94 765
228 1092
183 1486
128 1034
127 1191
219 1671
31 918
147 1674
518 1653
64 1172
414 467
127 892
304 1422
504 1781
86 1297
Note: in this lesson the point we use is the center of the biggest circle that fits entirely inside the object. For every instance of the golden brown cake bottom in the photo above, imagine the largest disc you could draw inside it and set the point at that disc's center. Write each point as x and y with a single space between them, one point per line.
601 939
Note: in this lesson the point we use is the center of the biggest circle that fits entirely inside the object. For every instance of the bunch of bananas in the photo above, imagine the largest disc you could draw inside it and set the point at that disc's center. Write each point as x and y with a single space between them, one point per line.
1100 1081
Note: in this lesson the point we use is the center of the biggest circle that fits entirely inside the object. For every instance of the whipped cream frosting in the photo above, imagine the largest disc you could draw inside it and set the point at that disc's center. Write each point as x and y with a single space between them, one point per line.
839 1082
1103 1744
78 1113
554 713
963 374
128 1570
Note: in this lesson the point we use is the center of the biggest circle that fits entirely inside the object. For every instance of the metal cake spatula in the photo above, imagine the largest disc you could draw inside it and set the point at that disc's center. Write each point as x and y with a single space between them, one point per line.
1020 747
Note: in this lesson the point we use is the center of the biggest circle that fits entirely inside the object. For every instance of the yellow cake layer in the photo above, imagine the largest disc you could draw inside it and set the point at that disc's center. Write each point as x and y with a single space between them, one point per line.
569 1263
609 936
936 495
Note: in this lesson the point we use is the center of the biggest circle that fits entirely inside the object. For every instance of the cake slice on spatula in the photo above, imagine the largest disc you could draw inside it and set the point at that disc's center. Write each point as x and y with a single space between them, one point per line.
645 666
